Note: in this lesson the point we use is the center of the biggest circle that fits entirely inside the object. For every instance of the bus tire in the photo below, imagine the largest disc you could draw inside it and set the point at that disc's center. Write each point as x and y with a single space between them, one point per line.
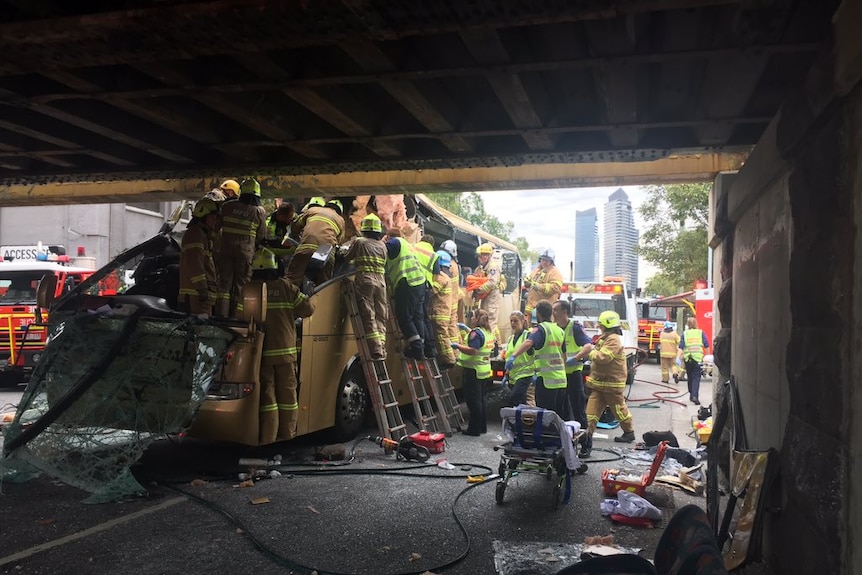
351 405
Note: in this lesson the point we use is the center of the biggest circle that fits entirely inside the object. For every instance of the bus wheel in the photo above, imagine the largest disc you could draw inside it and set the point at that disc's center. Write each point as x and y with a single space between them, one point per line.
351 405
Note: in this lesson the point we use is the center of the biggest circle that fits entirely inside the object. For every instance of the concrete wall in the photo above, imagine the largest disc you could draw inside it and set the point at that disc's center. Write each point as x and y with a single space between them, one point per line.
104 230
788 224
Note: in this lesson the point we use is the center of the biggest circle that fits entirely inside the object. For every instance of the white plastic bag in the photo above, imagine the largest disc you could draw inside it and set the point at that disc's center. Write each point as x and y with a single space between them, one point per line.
633 505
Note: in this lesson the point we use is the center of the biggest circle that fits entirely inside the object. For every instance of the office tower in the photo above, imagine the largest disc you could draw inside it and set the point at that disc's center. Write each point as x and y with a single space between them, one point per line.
620 239
586 246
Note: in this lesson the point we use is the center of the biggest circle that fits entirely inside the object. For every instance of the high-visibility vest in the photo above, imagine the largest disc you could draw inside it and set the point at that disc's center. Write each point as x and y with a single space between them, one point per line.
549 360
523 365
572 348
481 362
693 345
404 266
426 256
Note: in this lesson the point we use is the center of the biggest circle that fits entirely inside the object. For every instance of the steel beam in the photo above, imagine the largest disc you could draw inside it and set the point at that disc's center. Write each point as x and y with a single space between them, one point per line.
673 169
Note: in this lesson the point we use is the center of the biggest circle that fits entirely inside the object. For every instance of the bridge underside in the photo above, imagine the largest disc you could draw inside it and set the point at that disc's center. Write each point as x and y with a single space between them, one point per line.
304 91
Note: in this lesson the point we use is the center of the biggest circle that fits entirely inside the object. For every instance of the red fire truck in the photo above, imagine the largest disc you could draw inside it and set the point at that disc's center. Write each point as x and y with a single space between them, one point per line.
21 340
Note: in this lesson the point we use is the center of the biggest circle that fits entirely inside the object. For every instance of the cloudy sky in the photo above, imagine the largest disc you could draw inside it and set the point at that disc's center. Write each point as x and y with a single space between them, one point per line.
547 218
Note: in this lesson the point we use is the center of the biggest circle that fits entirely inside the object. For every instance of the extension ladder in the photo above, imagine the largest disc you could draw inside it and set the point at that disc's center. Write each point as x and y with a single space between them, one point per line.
379 384
444 396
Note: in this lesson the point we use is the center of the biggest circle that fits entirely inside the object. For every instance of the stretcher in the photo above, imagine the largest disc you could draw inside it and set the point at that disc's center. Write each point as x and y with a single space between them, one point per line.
539 442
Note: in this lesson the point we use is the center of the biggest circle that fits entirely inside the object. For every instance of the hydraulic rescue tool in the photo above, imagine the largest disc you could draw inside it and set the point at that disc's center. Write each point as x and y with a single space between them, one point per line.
404 448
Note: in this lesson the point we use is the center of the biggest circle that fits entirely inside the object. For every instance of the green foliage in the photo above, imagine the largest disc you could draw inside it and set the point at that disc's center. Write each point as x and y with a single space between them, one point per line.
675 239
471 207
660 285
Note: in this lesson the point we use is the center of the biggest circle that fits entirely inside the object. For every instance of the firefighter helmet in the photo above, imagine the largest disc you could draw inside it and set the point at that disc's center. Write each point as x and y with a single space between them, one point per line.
485 249
204 207
609 319
450 247
371 223
548 254
335 205
315 201
230 187
668 325
264 259
444 258
250 186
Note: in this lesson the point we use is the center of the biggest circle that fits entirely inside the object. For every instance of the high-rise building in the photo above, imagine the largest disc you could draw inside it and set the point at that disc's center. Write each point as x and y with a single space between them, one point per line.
586 246
620 239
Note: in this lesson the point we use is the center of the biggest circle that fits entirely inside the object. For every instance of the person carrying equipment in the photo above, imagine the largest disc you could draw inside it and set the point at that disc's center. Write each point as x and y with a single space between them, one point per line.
368 252
320 226
198 285
243 228
488 291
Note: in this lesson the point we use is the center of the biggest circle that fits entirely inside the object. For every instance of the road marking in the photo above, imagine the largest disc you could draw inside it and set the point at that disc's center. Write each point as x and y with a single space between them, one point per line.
87 532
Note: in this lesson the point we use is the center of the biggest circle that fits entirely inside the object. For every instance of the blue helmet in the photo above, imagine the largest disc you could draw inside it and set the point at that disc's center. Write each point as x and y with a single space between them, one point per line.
445 258
668 325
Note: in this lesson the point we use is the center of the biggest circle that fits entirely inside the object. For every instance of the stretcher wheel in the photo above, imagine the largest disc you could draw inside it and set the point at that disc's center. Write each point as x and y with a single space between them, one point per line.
501 471
582 469
500 492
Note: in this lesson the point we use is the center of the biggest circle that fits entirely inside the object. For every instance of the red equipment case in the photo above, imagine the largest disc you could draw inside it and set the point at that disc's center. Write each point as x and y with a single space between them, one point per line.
611 484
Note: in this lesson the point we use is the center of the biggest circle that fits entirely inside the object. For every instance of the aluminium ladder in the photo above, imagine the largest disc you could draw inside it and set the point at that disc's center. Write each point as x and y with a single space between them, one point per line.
379 384
444 396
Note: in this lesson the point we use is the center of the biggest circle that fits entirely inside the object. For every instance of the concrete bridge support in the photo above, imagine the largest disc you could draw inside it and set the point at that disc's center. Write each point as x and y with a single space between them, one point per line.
788 272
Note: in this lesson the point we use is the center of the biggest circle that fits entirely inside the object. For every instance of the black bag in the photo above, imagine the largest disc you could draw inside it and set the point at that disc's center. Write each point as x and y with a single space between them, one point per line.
653 438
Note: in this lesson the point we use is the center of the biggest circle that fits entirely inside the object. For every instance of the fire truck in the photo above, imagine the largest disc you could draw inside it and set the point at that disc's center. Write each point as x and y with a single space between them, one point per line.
650 325
697 303
22 338
589 299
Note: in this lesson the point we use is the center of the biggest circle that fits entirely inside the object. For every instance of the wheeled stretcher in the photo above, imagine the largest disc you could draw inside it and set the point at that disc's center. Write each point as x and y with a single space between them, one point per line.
539 441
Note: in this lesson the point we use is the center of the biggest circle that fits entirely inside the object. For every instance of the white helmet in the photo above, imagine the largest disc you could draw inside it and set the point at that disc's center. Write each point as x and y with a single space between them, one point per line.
548 253
450 247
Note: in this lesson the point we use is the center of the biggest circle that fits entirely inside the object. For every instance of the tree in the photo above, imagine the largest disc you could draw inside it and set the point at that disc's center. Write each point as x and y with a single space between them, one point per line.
675 240
661 285
471 207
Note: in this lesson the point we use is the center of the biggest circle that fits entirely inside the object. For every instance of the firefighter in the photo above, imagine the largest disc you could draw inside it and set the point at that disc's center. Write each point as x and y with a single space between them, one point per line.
522 371
545 282
475 358
668 348
279 406
243 229
608 373
406 281
320 226
278 228
576 347
488 293
455 275
428 261
230 188
691 348
198 285
546 342
369 254
440 309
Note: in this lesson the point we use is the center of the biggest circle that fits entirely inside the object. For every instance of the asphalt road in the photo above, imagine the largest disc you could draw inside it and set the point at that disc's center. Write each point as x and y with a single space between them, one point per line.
361 518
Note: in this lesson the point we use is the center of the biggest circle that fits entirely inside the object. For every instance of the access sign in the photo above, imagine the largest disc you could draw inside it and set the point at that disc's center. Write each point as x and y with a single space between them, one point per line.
21 252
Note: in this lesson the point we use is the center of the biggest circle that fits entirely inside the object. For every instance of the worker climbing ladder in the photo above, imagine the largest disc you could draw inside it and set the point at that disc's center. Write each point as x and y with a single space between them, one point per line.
444 396
383 400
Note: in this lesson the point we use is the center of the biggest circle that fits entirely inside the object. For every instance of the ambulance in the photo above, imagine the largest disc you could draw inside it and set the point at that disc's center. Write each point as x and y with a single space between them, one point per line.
589 299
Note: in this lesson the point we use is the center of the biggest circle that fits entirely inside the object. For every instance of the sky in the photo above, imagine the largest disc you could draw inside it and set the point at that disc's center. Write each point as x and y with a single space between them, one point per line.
547 218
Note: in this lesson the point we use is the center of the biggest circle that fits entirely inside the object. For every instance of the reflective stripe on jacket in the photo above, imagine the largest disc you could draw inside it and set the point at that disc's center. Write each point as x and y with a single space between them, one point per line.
481 362
426 256
572 348
608 368
404 266
669 342
524 363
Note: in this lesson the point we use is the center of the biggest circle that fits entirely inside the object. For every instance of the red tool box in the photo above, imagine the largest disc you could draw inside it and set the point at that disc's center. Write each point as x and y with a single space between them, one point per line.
614 480
433 442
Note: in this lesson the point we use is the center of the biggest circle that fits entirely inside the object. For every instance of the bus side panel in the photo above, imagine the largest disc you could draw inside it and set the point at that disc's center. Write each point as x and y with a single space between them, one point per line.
328 344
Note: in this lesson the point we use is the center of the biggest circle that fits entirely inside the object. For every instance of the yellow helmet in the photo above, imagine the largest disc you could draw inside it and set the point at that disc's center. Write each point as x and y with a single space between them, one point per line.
315 201
250 186
230 186
204 207
371 223
485 249
609 319
335 205
264 259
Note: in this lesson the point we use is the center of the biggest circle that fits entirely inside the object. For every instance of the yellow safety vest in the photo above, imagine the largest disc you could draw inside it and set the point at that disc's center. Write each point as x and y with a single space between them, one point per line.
404 267
693 345
481 362
523 365
549 359
572 348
